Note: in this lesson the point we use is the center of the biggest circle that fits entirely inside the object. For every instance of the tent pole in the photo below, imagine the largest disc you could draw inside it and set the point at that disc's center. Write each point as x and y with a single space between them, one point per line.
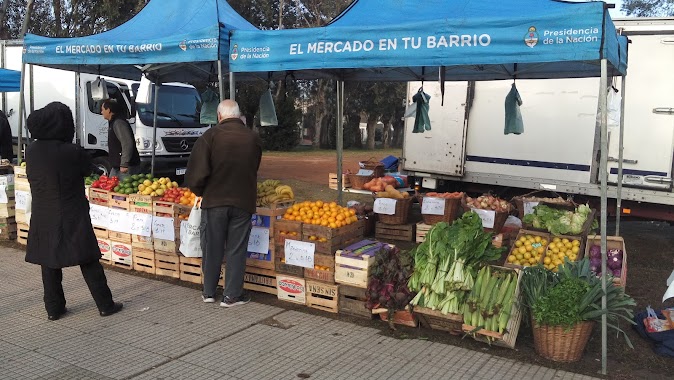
620 158
231 86
154 125
603 87
221 81
22 101
340 138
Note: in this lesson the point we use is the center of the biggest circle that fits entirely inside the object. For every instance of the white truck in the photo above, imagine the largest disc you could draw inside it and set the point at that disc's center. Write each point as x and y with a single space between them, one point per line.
179 105
466 149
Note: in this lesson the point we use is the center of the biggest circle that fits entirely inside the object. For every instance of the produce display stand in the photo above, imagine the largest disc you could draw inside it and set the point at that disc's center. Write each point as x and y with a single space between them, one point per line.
267 217
322 296
612 242
421 231
400 232
256 279
190 270
402 213
508 338
142 204
435 320
167 265
451 212
291 289
533 199
521 233
122 254
353 270
352 302
143 260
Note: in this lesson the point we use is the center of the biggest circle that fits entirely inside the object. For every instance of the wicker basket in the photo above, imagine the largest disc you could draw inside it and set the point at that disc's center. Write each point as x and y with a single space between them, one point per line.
357 181
499 217
452 211
561 345
403 207
374 165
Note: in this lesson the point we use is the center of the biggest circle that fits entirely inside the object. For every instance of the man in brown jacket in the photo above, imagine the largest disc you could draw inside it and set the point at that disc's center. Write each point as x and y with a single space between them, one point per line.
223 170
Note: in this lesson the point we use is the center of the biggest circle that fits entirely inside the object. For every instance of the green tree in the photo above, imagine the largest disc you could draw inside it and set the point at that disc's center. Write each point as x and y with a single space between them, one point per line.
648 8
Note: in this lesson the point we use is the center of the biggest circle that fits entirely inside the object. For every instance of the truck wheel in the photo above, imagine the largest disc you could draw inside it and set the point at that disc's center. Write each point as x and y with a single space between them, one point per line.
102 164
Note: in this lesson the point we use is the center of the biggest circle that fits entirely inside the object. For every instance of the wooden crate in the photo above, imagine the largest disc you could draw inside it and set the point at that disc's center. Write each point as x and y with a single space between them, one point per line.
612 242
20 216
101 232
324 267
401 232
20 178
22 233
171 210
190 269
123 265
171 247
332 181
105 246
119 236
434 319
324 275
508 338
7 210
141 203
337 238
286 229
421 231
282 268
291 289
143 242
122 253
260 280
99 196
167 265
352 302
322 296
143 260
400 317
353 271
273 210
118 201
8 228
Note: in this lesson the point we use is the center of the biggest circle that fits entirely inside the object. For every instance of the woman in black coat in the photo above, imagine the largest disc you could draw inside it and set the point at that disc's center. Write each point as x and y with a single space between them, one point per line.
60 233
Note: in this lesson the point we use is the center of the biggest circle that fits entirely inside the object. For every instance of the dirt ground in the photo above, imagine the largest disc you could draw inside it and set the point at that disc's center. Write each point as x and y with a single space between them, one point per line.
650 246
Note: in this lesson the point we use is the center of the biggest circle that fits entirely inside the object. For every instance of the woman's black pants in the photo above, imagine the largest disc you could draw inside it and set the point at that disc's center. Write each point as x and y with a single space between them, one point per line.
55 300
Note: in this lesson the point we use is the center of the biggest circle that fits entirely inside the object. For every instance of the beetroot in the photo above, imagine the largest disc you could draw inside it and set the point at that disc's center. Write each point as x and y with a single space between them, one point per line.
617 272
595 252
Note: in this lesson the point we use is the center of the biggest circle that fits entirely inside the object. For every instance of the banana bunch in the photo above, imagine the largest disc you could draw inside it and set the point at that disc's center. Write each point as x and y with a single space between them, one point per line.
271 191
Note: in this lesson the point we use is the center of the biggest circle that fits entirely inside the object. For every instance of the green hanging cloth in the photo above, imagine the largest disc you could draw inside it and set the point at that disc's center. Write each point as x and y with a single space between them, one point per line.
513 116
209 107
421 121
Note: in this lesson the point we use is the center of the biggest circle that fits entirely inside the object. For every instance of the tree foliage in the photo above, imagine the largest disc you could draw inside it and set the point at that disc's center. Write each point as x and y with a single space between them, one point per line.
648 8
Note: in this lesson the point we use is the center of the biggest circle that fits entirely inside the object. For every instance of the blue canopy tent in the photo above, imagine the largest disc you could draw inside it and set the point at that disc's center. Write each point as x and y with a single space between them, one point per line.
10 80
410 40
167 41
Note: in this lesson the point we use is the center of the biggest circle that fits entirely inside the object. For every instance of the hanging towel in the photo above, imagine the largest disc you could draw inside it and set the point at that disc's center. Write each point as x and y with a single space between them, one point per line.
421 122
513 116
267 110
209 107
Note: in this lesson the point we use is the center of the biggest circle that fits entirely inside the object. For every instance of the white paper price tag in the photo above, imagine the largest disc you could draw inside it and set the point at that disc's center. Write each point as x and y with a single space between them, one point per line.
487 217
162 228
529 207
3 194
258 242
386 206
119 220
141 224
23 199
99 215
433 206
299 253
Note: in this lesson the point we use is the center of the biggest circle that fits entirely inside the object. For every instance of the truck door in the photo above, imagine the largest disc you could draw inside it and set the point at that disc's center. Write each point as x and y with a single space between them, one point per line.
442 149
94 126
649 115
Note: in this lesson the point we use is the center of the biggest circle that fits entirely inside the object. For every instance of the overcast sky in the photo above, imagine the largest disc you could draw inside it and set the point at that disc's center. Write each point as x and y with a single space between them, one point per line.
616 11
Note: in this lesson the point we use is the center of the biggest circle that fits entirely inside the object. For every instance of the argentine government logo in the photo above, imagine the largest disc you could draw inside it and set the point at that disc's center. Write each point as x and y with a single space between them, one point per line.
531 38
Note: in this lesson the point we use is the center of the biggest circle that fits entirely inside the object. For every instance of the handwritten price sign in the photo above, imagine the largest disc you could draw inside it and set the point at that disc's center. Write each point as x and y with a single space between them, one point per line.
3 194
258 242
162 228
386 206
23 199
433 206
529 207
141 224
300 253
119 220
487 217
99 215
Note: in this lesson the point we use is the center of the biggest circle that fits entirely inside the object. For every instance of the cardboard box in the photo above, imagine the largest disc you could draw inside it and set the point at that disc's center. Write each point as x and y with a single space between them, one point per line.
106 249
291 289
121 252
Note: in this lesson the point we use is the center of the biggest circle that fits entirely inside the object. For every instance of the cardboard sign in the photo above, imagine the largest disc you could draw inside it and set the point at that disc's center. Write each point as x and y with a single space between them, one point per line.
119 220
433 206
3 194
99 215
487 216
23 199
141 224
162 228
529 207
299 253
258 242
386 206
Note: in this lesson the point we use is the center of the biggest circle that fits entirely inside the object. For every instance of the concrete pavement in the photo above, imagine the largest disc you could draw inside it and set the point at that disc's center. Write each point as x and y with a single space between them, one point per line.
166 332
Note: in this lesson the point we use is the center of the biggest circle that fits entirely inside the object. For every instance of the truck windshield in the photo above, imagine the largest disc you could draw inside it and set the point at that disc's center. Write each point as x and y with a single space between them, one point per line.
178 107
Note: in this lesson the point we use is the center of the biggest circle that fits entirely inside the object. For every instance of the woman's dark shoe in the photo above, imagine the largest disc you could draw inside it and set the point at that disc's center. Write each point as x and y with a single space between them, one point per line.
55 317
115 308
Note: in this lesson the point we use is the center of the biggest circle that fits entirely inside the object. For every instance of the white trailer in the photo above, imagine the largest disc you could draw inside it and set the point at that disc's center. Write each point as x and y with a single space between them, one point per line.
178 124
558 151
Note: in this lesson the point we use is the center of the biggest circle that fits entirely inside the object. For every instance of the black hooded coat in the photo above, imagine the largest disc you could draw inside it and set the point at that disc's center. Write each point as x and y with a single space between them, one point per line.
60 233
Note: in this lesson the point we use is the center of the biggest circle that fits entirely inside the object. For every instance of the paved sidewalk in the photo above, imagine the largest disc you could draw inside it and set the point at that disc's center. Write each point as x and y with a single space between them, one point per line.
166 332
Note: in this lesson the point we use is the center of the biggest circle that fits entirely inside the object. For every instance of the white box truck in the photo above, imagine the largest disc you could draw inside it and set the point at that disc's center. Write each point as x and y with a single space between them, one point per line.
179 105
558 151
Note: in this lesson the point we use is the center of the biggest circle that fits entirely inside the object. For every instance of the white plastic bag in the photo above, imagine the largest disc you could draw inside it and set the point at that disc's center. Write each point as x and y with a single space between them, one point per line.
190 237
613 103
99 89
267 110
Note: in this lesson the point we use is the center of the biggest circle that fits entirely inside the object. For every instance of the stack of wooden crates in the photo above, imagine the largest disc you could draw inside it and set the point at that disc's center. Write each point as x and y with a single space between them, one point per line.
22 203
7 204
